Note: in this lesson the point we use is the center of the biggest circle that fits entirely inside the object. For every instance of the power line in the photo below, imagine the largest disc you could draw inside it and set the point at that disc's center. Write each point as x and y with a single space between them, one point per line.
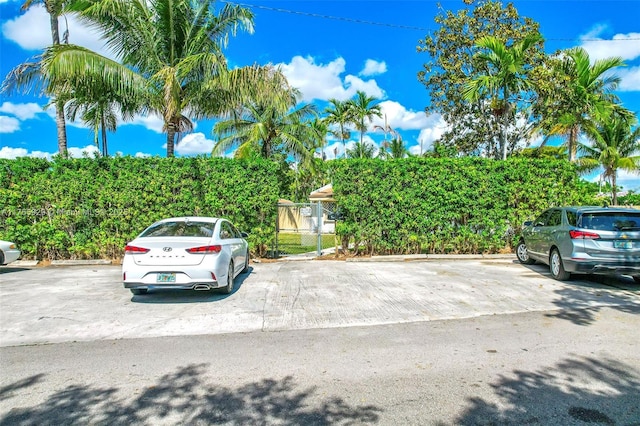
398 26
335 18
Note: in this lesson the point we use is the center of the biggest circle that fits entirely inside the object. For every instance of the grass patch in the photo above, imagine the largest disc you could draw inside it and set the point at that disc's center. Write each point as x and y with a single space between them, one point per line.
294 243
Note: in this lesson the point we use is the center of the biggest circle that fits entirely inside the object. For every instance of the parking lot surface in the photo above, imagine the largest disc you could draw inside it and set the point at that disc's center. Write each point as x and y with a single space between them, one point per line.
83 303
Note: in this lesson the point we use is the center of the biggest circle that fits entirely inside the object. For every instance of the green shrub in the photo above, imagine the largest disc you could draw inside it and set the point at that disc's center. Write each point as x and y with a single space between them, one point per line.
448 205
90 207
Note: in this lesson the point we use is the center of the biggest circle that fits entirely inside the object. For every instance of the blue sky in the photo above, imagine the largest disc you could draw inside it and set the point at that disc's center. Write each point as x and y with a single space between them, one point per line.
328 49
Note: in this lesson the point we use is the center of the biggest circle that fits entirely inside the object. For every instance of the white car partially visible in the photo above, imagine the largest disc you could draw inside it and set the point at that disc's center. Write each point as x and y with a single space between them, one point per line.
9 252
187 253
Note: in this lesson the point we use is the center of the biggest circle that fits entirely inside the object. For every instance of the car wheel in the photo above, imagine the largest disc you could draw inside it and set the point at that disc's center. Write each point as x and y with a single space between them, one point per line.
1 258
246 263
228 289
138 291
523 254
556 267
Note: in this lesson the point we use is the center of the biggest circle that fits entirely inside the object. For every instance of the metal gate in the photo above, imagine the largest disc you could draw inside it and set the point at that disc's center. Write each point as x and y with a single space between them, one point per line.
304 228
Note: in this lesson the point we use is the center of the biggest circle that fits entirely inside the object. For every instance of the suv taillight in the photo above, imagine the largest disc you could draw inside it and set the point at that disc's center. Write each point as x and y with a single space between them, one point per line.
583 235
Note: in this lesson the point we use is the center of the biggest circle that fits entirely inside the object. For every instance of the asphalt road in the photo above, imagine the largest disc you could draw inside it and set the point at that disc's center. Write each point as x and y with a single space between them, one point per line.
80 303
426 343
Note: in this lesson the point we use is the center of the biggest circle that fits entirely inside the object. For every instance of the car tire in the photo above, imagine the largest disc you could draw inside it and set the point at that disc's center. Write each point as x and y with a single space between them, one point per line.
138 291
523 255
1 258
556 267
228 289
246 264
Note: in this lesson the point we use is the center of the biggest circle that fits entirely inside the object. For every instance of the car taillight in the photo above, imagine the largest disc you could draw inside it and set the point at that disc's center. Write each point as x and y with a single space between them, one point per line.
204 249
135 250
583 235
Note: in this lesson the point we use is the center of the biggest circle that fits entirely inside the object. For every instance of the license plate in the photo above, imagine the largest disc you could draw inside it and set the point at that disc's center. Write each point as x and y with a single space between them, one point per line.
623 244
166 278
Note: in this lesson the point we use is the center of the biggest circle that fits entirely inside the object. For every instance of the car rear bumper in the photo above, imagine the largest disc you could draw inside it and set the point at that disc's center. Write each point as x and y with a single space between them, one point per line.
209 285
595 267
187 279
11 256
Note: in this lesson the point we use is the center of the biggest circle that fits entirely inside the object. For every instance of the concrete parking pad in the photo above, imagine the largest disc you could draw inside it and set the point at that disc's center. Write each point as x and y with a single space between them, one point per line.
78 303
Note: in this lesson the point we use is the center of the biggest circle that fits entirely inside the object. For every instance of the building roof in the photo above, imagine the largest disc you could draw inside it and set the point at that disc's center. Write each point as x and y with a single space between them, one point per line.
322 194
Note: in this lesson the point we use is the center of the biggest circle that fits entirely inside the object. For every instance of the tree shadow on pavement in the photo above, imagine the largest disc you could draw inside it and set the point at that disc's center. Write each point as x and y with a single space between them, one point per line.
184 397
575 391
581 301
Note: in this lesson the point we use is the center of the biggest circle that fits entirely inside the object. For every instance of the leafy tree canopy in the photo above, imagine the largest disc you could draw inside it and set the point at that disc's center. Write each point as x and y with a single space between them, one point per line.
454 61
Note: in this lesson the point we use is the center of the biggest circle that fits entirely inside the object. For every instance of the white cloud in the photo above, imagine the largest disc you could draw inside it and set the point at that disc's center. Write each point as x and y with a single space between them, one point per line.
151 122
22 111
372 67
13 153
625 46
324 81
629 79
429 134
142 155
32 31
89 150
399 118
9 124
628 181
194 144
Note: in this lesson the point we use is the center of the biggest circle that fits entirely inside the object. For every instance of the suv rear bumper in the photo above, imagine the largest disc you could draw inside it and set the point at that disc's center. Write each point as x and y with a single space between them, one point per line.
591 267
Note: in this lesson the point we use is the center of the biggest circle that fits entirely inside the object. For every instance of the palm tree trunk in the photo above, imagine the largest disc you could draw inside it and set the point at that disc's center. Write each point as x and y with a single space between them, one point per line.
61 125
614 190
573 143
104 138
61 129
505 122
171 136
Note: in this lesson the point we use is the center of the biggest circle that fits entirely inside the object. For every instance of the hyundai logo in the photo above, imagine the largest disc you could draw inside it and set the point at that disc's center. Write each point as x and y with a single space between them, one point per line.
167 249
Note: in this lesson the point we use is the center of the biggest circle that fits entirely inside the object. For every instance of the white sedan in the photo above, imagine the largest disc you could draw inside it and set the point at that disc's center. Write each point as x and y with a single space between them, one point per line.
189 253
9 252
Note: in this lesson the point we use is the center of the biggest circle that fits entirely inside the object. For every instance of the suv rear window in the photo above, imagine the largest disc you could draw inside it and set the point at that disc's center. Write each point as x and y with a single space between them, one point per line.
611 221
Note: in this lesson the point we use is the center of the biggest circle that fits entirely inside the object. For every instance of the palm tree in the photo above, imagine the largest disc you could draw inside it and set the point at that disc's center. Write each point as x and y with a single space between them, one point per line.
361 150
101 110
262 128
319 130
505 77
55 9
361 112
171 59
395 148
339 114
615 145
587 96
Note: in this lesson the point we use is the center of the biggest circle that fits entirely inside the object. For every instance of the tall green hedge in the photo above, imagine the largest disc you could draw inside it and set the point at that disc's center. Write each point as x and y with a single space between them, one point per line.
90 207
450 205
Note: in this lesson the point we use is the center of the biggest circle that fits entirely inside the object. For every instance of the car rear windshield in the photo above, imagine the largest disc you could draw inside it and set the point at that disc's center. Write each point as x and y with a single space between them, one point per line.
611 221
180 229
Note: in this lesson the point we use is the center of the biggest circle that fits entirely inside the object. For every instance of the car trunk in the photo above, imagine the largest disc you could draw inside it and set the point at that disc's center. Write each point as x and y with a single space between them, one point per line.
169 251
619 235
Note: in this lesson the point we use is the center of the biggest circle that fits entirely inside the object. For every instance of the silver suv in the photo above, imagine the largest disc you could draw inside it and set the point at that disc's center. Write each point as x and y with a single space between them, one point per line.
588 240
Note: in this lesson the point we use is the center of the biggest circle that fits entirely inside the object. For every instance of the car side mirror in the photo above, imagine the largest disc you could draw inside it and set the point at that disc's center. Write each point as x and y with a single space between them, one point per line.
528 223
244 234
